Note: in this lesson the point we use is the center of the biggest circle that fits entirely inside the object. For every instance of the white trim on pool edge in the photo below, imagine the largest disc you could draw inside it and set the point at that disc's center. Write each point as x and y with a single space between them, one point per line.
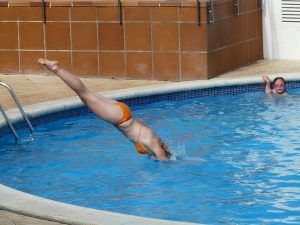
26 204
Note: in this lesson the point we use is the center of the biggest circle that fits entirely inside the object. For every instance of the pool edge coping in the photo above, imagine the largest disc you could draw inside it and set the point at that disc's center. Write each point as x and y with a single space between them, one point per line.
26 204
39 207
40 109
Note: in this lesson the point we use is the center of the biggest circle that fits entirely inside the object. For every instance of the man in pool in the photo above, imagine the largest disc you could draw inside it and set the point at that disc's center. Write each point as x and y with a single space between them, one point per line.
279 86
114 112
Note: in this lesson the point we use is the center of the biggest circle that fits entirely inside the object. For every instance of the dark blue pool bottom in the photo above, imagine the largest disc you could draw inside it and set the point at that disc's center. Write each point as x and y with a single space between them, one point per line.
144 100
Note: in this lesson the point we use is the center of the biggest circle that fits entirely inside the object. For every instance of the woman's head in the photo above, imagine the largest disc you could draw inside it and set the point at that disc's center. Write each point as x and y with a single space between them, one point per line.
166 150
279 85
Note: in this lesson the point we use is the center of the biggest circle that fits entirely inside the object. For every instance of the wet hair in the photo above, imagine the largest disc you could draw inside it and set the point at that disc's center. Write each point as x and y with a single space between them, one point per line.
279 78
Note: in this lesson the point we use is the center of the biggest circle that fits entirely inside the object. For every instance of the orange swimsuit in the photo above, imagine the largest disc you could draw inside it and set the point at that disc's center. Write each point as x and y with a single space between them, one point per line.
126 113
138 146
127 116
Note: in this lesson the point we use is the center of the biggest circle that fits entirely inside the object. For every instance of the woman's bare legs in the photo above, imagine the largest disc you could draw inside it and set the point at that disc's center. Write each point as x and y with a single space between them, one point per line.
101 106
108 111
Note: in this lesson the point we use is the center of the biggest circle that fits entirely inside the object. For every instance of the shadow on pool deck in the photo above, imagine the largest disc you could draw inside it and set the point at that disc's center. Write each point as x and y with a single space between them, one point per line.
33 89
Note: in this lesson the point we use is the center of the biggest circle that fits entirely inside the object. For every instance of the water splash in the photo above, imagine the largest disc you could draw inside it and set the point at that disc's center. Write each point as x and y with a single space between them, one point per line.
179 153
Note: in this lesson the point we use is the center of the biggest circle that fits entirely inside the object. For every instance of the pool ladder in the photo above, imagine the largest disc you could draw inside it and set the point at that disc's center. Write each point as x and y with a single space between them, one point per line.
7 120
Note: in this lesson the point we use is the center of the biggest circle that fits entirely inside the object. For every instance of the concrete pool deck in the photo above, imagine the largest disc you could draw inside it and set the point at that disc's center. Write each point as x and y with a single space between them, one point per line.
32 89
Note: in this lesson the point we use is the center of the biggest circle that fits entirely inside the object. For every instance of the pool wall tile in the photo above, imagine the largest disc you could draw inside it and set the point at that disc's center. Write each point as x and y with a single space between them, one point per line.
166 66
192 37
64 58
226 33
243 6
138 26
170 3
165 37
9 61
239 52
31 36
36 4
108 3
148 3
252 25
213 35
139 65
108 14
243 52
28 62
57 36
138 36
19 4
30 14
259 24
58 14
74 110
130 3
60 4
111 63
8 14
85 63
137 14
193 66
188 14
224 10
82 3
243 27
253 4
218 61
84 35
4 4
233 36
167 14
183 95
83 14
255 49
8 37
111 36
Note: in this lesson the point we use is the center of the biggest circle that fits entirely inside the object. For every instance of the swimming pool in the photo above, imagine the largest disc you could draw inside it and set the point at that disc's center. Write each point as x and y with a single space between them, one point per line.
234 163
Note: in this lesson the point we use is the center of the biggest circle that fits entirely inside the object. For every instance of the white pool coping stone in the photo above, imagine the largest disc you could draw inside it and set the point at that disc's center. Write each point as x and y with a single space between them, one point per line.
26 204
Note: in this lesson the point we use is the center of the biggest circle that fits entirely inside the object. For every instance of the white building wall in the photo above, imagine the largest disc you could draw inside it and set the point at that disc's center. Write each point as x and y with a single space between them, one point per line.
281 39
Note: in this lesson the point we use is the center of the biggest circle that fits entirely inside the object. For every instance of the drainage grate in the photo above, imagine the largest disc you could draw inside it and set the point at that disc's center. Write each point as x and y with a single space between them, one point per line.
290 11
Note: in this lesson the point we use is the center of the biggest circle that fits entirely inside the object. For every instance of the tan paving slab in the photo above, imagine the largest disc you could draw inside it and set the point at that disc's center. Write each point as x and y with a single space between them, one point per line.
265 67
8 218
4 218
32 89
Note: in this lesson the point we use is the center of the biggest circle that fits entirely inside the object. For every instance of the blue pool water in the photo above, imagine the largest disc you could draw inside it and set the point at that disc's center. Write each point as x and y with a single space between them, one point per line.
238 161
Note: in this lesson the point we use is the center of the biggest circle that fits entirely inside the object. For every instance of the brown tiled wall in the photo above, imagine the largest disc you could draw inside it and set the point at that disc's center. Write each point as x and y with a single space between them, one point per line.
156 40
234 41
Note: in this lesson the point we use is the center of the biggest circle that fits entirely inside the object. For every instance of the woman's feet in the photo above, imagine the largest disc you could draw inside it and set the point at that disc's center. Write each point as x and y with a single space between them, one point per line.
51 65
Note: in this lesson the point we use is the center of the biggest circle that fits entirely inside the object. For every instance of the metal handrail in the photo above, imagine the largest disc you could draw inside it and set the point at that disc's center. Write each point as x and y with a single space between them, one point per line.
120 12
14 96
237 7
44 11
198 12
9 123
211 12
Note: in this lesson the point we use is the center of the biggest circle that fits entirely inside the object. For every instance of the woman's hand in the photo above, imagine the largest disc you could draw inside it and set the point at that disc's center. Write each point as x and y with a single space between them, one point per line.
266 79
